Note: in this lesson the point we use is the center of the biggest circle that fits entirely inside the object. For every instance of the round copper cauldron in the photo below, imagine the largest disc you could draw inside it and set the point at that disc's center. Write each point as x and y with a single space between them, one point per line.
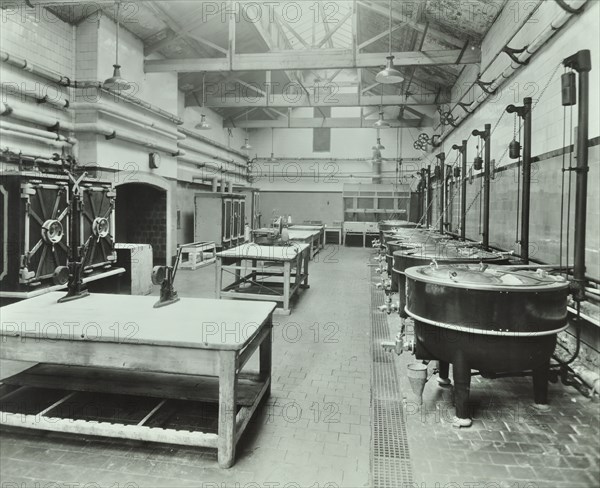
442 251
491 319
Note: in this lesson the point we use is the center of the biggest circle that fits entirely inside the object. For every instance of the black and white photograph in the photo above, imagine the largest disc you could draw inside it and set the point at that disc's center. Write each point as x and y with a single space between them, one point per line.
300 244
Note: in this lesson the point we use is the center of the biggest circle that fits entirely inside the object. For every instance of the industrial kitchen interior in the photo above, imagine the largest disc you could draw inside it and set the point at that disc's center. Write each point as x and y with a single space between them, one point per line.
310 243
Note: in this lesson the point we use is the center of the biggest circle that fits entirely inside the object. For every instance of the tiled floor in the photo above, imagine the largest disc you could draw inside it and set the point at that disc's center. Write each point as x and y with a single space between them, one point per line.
316 428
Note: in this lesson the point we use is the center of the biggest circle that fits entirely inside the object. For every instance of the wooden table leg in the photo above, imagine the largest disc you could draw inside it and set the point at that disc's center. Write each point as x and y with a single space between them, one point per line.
306 285
286 286
218 277
227 408
266 357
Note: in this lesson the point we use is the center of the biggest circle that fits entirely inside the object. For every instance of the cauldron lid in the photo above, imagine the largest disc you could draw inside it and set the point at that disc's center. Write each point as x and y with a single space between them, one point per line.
485 277
448 251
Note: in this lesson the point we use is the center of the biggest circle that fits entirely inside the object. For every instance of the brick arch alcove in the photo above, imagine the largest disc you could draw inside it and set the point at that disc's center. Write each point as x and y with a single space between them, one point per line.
141 217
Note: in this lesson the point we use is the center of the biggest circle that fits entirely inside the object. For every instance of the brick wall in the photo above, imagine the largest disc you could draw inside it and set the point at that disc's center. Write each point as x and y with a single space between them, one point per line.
141 217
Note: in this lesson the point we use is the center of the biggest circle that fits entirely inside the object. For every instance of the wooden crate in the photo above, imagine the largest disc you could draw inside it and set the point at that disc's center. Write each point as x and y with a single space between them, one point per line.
197 254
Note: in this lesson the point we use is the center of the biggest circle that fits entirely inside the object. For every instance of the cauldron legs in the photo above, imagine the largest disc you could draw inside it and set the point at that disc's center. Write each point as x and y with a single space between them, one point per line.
540 386
462 387
444 369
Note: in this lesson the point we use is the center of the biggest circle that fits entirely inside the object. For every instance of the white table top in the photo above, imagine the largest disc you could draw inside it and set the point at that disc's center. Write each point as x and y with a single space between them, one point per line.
191 322
302 234
265 253
307 226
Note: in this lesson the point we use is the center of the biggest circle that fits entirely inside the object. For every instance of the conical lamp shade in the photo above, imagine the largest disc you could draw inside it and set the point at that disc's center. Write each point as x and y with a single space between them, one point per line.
381 123
116 82
203 124
390 74
378 146
246 146
272 158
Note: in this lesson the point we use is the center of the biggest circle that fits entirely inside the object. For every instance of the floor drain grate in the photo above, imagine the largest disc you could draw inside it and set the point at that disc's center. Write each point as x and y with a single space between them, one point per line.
390 455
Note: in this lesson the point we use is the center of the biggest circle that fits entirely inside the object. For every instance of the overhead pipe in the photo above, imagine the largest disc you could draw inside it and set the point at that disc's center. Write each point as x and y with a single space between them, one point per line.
581 62
210 142
206 152
30 137
524 112
442 165
191 160
110 133
62 80
16 90
36 132
143 122
20 111
517 61
18 157
485 136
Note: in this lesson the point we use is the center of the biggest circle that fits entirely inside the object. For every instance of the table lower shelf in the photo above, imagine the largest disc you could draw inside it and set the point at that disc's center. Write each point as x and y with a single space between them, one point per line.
151 407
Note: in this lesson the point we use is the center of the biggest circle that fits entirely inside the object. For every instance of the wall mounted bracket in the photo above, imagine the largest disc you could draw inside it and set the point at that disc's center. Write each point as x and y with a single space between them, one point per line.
512 52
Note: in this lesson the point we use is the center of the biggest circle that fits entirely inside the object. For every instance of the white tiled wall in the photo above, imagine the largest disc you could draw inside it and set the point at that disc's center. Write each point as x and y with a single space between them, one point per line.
39 36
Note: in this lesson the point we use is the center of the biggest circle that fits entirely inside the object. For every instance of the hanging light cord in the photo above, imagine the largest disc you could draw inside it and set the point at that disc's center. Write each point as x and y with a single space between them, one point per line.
117 45
390 29
203 90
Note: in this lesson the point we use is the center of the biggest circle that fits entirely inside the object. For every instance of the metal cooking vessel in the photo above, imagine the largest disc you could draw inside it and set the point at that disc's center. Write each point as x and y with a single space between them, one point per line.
388 225
492 319
391 248
442 252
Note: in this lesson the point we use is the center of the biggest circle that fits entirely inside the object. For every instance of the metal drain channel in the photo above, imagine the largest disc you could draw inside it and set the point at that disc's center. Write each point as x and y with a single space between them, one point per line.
390 456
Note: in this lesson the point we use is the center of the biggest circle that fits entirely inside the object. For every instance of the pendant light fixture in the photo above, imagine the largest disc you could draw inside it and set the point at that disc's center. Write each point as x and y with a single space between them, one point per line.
378 146
389 74
246 146
381 124
203 124
116 82
273 159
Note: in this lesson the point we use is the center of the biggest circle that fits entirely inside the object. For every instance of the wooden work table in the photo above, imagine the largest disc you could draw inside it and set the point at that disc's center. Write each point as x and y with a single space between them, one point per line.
125 339
274 272
318 242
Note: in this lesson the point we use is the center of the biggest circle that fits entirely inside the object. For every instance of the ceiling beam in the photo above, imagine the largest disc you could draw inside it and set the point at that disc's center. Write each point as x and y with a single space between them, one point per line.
180 31
325 24
169 36
331 32
385 33
290 29
310 59
382 10
318 122
299 99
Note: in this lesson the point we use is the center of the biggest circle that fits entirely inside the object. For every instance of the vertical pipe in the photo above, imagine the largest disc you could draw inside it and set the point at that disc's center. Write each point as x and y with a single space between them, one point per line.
429 206
526 179
463 191
582 173
486 186
442 159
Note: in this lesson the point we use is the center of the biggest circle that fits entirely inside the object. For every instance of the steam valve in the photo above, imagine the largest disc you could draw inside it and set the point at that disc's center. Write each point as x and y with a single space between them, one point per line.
401 343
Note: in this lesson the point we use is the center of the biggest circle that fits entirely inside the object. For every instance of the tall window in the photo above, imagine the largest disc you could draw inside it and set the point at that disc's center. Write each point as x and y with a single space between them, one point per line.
322 135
